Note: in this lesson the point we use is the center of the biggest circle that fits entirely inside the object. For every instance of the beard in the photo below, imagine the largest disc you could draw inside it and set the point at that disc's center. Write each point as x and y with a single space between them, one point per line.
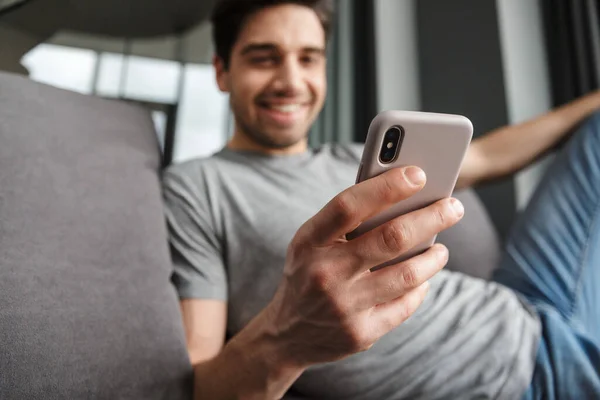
264 139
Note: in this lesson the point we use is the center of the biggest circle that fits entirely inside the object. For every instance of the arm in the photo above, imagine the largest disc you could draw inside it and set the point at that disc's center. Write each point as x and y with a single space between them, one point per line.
244 368
204 340
509 149
249 366
327 306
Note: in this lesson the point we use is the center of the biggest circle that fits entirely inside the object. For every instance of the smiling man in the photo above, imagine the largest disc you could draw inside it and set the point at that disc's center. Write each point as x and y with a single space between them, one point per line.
274 108
277 303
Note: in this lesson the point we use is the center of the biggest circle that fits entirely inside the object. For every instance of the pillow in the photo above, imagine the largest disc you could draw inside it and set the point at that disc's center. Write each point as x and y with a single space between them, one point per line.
473 243
87 307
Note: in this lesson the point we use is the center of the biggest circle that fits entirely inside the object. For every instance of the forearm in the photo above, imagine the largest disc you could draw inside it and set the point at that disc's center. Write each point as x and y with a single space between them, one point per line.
250 366
509 149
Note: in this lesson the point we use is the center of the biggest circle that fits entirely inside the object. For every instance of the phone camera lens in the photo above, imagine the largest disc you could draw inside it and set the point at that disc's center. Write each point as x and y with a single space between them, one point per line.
392 141
392 135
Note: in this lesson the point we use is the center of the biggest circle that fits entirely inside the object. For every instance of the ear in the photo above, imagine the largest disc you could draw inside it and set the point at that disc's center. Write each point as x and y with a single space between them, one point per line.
221 74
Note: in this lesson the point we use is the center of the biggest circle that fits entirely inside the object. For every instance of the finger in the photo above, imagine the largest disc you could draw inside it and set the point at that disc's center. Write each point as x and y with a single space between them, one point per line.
389 316
360 202
394 281
401 234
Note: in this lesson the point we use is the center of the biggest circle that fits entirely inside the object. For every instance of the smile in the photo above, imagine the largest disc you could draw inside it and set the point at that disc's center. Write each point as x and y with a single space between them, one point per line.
285 108
288 108
284 115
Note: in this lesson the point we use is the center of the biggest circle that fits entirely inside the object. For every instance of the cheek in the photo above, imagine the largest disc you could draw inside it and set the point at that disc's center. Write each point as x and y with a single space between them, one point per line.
256 80
248 89
318 86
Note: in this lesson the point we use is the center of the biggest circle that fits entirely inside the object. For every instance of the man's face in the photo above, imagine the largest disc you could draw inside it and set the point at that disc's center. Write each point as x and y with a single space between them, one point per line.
277 76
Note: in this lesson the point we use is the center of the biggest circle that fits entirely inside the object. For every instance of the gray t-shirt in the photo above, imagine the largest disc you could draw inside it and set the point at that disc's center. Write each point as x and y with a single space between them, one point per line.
231 217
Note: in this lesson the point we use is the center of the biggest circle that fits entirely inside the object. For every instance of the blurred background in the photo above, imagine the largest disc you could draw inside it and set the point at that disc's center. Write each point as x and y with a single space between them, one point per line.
496 61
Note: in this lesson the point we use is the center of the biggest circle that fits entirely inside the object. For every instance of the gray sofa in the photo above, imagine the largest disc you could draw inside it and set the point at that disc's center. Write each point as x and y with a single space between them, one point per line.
86 306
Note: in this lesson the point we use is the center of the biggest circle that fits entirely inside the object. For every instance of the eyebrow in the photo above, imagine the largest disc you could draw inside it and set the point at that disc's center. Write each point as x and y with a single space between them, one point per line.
254 47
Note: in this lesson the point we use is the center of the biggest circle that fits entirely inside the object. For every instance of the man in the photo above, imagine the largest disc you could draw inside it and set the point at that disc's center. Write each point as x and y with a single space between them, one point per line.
277 303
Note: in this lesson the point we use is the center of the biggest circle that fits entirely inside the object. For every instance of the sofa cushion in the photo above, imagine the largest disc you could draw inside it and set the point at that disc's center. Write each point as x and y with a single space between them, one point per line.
87 309
473 243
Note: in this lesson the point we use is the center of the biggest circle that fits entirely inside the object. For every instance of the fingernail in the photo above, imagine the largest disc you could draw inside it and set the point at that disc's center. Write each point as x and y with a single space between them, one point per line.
414 175
458 207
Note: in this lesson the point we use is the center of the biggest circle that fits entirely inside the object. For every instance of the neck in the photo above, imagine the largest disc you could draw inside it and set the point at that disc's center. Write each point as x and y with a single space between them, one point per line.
241 141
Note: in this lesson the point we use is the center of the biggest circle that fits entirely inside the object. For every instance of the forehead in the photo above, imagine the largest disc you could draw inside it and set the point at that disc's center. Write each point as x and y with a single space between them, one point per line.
288 26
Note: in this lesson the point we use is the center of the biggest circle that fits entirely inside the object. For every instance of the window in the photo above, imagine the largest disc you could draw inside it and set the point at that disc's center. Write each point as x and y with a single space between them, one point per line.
183 96
63 67
204 110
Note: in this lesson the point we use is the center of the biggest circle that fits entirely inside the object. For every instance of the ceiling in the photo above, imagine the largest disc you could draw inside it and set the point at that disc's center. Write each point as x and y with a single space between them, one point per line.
7 6
169 29
131 18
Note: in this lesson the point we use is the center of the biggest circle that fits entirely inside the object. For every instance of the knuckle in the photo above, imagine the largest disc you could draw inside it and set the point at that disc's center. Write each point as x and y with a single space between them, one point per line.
393 285
397 175
358 341
404 312
395 236
320 280
441 214
338 309
297 248
412 305
387 189
345 206
410 275
392 322
294 247
323 284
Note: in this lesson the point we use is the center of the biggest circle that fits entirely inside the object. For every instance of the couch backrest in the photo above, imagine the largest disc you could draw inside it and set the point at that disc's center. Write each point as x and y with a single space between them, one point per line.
86 305
474 244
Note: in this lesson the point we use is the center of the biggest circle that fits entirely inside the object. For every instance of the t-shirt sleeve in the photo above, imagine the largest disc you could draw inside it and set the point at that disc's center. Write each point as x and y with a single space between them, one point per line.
196 249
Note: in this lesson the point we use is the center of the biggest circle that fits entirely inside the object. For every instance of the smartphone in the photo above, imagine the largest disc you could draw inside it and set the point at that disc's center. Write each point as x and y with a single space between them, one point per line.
437 143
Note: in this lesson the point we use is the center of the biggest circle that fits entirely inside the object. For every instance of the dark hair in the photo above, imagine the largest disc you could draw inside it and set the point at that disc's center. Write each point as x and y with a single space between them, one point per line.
229 16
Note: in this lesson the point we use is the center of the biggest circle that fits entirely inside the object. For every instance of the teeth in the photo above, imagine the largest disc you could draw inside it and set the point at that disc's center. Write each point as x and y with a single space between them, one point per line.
286 108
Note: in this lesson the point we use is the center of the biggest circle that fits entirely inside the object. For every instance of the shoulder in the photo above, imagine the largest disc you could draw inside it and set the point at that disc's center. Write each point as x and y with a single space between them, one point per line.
196 169
192 176
344 152
191 167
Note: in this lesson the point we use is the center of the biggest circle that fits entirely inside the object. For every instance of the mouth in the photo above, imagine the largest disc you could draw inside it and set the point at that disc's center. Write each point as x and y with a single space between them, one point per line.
284 108
284 115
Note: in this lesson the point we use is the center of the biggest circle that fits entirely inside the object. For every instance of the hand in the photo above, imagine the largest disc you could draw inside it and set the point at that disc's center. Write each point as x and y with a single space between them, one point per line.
329 304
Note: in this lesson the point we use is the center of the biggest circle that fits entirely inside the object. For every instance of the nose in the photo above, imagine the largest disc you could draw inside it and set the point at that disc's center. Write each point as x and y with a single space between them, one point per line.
289 78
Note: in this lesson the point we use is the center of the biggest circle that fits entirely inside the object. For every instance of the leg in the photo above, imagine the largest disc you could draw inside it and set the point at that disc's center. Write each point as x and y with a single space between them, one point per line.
553 259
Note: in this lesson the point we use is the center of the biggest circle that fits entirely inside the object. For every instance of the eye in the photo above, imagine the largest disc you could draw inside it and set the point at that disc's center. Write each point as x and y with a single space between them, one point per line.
263 60
310 59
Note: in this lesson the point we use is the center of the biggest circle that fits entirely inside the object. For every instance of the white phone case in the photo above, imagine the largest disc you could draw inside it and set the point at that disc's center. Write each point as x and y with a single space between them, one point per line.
437 143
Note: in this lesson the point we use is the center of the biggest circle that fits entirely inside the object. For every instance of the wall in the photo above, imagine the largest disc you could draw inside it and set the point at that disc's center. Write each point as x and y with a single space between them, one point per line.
397 56
526 75
479 58
462 72
13 44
